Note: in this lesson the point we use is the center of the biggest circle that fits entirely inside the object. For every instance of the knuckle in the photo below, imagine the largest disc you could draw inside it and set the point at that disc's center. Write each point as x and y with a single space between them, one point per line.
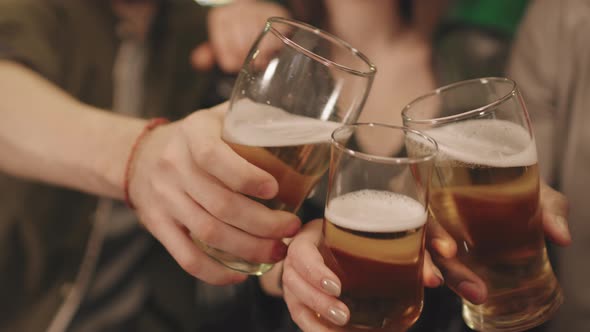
273 228
277 228
315 302
206 154
159 190
222 207
166 163
257 256
288 278
208 233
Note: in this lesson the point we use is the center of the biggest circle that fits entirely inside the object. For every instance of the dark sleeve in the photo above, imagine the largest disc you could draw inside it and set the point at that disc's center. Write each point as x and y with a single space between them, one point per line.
29 35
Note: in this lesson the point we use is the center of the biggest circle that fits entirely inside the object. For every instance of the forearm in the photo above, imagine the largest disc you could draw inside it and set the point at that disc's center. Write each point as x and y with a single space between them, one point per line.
47 135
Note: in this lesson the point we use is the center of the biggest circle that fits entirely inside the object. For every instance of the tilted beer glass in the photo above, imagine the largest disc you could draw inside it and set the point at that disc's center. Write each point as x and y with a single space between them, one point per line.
374 224
485 193
297 85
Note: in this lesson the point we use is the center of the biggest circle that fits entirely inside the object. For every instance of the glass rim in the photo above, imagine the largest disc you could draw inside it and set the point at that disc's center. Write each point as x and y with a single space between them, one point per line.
380 159
482 110
372 69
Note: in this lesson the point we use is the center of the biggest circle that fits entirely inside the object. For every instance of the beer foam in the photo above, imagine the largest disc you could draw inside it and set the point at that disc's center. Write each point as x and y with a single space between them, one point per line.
256 124
487 142
376 211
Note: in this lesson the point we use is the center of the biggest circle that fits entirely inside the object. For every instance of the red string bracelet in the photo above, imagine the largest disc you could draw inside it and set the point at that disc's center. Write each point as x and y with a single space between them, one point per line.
151 125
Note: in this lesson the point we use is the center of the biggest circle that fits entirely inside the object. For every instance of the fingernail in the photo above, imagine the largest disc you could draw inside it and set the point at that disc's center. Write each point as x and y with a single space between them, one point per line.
439 275
337 316
279 252
331 287
470 292
266 190
561 223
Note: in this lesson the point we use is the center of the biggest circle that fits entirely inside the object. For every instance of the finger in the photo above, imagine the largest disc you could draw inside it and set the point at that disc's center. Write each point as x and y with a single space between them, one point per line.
439 240
432 275
462 280
216 158
188 256
244 35
327 306
202 57
304 256
231 60
218 37
268 49
224 42
554 213
217 234
241 41
222 203
305 318
238 210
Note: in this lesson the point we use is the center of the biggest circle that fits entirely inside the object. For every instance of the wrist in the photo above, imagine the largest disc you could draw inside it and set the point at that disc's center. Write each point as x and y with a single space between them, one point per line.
109 164
133 154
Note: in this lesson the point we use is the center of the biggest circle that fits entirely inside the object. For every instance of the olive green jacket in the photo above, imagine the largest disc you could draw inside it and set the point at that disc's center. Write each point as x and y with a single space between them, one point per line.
44 229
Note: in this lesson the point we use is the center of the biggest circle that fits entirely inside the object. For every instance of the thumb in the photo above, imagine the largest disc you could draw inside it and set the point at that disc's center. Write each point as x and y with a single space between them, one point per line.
202 57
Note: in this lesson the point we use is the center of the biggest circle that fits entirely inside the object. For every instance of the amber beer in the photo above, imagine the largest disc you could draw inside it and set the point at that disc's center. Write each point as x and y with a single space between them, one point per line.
485 192
294 149
374 241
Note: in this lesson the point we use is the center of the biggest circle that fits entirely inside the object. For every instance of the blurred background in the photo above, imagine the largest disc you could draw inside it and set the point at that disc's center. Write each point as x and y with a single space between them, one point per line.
168 58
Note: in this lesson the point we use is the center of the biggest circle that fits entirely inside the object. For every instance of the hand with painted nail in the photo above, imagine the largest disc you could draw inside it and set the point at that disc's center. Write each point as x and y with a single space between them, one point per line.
186 183
311 289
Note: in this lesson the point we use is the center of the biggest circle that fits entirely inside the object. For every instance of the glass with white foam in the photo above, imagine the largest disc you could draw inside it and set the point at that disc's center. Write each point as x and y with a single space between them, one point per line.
297 85
374 224
485 193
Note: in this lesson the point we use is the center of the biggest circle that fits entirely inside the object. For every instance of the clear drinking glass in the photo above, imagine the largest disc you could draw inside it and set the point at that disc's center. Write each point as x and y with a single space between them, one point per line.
374 224
297 85
485 192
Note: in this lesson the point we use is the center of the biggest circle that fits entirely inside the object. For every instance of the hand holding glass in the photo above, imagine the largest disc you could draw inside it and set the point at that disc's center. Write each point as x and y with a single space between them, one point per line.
485 193
297 85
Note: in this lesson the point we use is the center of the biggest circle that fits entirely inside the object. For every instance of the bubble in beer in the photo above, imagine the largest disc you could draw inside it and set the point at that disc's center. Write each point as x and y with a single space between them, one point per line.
486 142
256 124
376 211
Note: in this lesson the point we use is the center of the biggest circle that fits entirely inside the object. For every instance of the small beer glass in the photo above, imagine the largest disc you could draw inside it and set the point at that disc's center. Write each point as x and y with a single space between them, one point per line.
374 225
485 193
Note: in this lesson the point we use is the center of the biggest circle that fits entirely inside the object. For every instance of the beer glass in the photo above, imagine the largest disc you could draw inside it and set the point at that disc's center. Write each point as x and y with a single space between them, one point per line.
297 85
485 193
374 224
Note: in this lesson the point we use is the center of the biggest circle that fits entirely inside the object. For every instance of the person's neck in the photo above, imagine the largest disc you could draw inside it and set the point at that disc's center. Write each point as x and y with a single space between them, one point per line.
363 22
